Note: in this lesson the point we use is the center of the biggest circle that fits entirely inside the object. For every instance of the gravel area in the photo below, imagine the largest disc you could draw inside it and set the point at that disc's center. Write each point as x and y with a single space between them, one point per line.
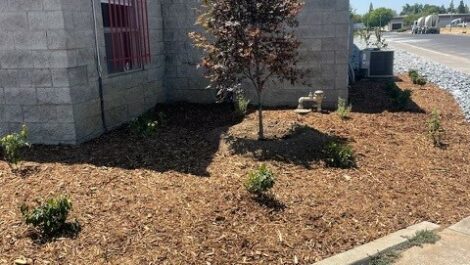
457 83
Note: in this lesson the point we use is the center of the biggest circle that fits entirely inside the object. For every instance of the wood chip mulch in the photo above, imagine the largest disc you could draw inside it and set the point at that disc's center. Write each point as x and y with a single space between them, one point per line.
178 197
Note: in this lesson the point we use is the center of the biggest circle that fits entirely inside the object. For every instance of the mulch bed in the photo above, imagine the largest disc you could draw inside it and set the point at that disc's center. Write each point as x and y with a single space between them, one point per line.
178 197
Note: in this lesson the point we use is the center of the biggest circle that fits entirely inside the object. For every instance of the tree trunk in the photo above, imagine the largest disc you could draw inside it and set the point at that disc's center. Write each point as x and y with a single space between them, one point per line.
260 118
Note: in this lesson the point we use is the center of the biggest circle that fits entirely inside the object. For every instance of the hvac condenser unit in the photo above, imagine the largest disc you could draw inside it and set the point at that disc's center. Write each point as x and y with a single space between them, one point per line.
377 63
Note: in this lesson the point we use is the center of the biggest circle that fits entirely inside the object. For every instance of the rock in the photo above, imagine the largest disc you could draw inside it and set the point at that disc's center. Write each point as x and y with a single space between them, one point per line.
23 261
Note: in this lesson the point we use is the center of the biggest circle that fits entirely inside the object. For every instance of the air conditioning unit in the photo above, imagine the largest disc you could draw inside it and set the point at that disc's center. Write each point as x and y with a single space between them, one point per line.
377 63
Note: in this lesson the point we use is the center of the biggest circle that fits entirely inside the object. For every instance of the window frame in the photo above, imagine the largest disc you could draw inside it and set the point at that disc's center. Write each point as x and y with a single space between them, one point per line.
126 40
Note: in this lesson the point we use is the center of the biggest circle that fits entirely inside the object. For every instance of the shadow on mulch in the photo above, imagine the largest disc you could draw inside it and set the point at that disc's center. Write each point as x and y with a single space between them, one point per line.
270 201
371 96
69 230
302 146
187 143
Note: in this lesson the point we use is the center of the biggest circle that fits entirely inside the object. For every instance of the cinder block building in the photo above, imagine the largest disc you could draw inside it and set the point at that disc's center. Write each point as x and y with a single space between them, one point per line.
71 69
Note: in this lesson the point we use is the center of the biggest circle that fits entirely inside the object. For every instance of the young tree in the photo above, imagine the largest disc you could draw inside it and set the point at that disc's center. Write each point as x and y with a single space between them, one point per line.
355 18
461 8
451 8
250 40
379 17
442 9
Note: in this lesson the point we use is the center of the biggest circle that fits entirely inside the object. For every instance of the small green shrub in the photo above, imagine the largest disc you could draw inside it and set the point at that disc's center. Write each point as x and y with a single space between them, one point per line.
421 81
260 180
144 125
413 73
338 155
50 217
12 144
435 129
241 105
343 109
416 78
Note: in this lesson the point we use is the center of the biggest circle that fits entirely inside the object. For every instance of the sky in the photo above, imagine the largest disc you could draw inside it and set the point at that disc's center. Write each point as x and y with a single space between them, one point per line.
362 6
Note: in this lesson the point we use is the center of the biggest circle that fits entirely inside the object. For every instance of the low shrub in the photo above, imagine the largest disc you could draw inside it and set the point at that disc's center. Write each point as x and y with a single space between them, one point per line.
144 125
416 78
50 217
413 73
421 81
260 180
343 109
338 155
435 129
12 144
241 105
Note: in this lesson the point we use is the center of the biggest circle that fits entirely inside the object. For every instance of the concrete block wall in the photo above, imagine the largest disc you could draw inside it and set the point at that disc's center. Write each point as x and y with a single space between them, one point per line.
125 95
49 77
35 71
324 32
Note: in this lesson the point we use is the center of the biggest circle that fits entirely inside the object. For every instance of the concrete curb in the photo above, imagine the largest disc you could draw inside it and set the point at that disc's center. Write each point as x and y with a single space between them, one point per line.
361 255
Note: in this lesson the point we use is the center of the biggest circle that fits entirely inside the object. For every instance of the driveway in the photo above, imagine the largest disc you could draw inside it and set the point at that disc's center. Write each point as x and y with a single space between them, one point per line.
450 50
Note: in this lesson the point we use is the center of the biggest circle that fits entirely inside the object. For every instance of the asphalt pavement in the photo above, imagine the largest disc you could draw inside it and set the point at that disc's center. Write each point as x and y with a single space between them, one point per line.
450 50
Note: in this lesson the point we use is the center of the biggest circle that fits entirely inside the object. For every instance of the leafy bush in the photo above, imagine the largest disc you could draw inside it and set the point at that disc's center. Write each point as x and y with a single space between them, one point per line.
338 155
49 218
343 109
144 125
416 78
241 105
12 144
421 81
435 129
413 73
260 180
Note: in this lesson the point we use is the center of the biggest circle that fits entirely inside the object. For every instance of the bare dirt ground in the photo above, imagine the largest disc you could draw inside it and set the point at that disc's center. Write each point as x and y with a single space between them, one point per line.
178 197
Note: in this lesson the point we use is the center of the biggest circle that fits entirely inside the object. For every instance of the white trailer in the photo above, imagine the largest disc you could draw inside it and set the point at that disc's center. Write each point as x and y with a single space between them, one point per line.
431 25
418 26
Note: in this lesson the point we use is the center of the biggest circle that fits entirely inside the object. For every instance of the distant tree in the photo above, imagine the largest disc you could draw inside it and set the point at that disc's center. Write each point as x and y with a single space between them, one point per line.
414 12
442 9
355 18
451 8
379 17
410 19
430 9
250 40
461 8
371 7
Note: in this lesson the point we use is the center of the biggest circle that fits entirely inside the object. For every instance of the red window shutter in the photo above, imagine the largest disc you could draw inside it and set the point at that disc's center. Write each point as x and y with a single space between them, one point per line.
128 25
